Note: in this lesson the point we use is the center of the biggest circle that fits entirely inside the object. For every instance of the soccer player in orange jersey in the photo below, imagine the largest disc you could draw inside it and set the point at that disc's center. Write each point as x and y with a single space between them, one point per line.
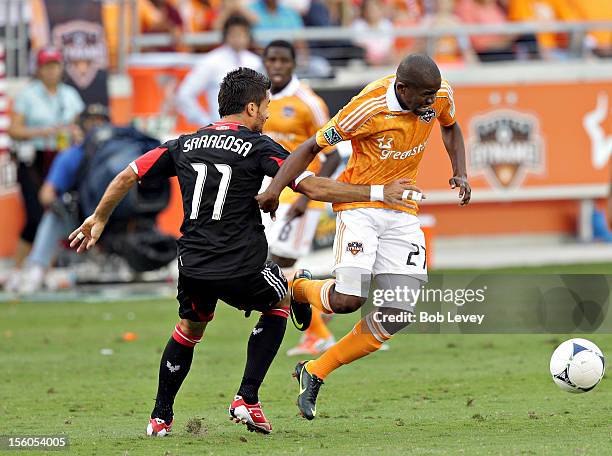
296 113
388 124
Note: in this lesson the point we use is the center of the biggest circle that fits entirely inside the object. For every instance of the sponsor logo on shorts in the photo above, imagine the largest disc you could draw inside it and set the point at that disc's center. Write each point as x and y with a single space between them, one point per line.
354 247
332 136
506 145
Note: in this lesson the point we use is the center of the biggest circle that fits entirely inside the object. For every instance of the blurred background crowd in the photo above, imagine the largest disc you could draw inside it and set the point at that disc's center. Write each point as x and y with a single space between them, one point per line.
368 23
371 20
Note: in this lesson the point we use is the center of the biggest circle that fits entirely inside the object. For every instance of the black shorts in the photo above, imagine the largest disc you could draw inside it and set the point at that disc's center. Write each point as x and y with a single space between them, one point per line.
259 291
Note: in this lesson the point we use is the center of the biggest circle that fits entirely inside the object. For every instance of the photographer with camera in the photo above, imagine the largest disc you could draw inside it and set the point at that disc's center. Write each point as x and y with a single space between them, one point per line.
55 198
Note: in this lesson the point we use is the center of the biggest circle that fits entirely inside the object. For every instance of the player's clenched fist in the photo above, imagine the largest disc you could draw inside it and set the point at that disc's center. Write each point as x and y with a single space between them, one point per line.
268 203
402 192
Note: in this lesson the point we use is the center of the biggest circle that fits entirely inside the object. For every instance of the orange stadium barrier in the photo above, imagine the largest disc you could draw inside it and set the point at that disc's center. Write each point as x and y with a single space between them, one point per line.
533 137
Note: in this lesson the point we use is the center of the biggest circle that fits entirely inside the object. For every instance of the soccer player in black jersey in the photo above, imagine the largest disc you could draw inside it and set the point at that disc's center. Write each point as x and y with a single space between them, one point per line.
223 249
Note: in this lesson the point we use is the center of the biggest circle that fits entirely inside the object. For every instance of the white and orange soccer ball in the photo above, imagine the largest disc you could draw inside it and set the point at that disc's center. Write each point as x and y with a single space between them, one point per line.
577 365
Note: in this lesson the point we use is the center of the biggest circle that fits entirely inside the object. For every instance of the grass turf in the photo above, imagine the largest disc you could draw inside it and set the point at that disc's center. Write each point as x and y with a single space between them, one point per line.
429 394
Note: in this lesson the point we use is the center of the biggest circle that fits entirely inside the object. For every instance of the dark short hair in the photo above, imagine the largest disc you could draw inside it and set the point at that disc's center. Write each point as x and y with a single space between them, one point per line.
241 87
280 44
418 70
235 20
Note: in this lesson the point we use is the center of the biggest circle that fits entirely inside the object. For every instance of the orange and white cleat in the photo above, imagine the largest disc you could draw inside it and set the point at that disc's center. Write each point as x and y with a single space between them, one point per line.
250 415
158 427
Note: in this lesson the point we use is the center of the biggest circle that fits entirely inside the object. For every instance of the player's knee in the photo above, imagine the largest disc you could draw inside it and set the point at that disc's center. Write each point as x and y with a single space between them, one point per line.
351 289
342 304
194 329
393 320
283 303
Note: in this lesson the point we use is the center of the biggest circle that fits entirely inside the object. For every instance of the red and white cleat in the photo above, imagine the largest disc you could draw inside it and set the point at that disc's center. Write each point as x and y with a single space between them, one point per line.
251 415
158 427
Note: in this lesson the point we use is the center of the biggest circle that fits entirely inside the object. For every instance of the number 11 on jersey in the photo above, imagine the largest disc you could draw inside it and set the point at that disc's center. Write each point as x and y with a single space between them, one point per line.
202 170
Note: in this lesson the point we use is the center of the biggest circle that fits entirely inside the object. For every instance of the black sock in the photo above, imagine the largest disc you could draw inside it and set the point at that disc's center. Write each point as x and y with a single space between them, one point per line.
264 342
173 369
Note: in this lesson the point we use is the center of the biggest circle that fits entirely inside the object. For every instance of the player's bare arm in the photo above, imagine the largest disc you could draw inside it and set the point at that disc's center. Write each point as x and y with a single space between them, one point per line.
86 236
455 146
400 192
293 166
329 166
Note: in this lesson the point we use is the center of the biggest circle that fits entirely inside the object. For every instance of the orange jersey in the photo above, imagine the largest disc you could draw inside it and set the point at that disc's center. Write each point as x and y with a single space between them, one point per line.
388 142
296 113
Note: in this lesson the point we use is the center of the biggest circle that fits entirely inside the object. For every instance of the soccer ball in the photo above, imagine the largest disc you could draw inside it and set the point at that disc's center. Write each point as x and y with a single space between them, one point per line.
577 365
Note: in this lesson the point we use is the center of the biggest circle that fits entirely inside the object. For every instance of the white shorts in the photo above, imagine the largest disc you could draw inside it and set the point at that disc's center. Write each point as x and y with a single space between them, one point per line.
382 241
291 239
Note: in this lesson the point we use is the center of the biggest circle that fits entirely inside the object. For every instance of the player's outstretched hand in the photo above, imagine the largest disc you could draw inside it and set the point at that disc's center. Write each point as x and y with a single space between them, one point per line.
401 192
268 203
465 191
86 236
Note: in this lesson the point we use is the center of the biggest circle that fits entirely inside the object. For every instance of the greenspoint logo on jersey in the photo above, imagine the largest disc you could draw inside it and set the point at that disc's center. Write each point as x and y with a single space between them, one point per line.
385 145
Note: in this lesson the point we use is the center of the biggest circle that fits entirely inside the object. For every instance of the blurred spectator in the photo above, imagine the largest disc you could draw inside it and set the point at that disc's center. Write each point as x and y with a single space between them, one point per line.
163 18
340 12
229 8
448 50
490 48
408 14
43 123
58 220
550 45
208 73
600 41
299 6
198 15
271 15
371 27
316 15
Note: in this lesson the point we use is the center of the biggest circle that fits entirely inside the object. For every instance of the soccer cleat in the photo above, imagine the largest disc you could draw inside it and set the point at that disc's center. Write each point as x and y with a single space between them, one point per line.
251 415
158 427
301 313
309 390
311 345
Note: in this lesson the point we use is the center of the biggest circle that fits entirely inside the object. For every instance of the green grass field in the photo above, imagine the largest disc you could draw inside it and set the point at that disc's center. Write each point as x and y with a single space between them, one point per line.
429 394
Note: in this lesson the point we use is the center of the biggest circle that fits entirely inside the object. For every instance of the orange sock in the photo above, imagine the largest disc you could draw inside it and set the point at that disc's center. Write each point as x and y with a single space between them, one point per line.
314 292
356 344
318 326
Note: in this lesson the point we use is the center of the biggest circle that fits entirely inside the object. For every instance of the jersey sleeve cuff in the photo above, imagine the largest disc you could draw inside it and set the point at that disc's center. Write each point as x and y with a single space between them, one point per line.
134 167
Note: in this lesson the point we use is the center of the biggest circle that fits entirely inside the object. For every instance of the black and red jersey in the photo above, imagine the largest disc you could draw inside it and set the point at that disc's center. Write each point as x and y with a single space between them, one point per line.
220 170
